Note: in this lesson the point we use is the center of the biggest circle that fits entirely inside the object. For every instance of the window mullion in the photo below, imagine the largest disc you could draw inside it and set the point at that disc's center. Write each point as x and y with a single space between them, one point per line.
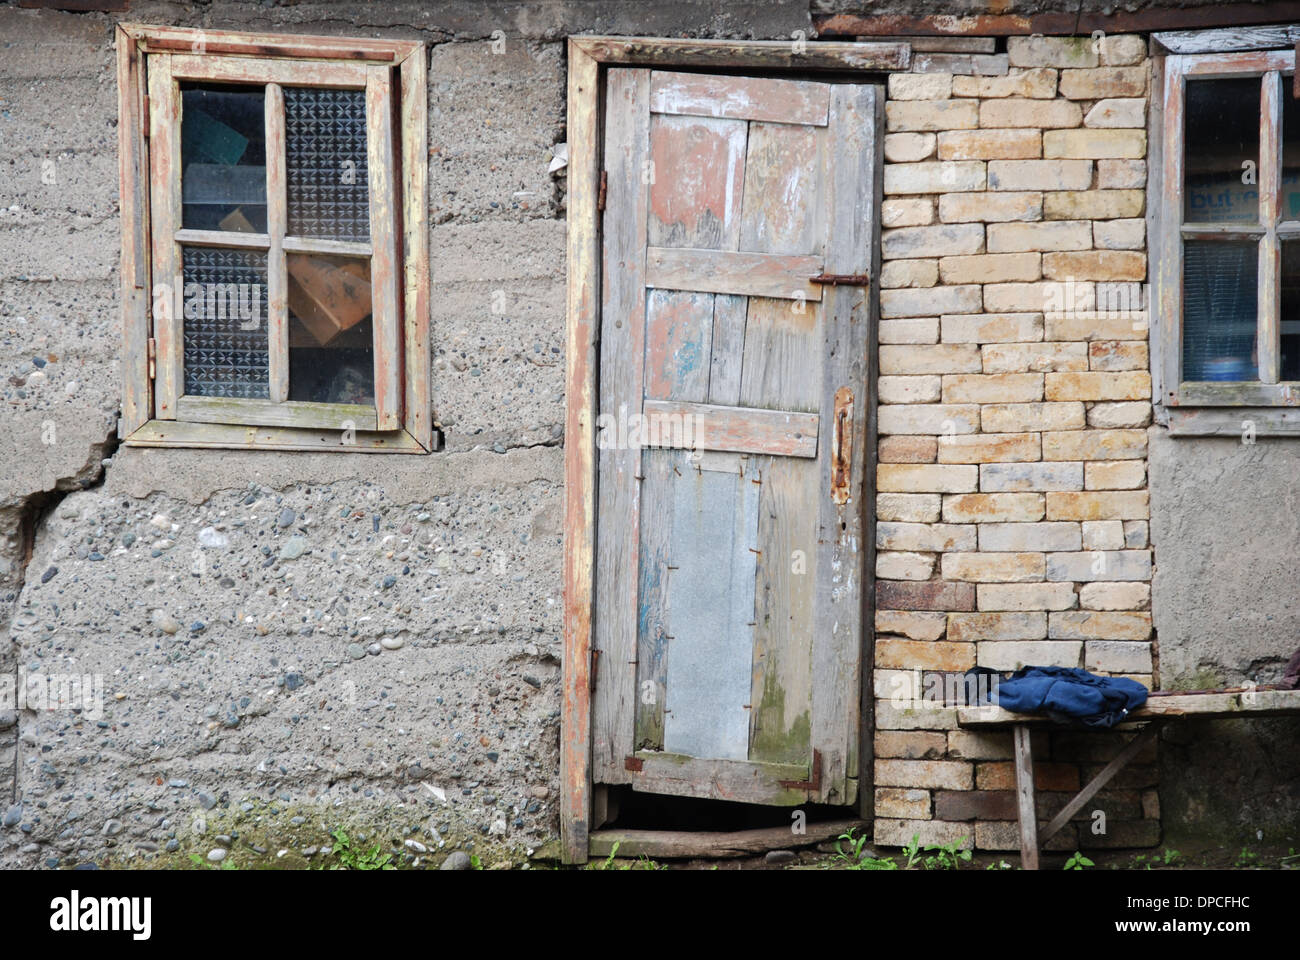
1270 261
277 280
1167 246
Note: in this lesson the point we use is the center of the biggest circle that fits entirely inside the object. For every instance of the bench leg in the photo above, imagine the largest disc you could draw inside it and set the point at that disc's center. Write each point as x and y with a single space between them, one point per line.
1025 799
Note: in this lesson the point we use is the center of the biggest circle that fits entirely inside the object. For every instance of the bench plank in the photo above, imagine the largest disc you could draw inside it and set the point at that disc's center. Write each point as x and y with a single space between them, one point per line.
1209 706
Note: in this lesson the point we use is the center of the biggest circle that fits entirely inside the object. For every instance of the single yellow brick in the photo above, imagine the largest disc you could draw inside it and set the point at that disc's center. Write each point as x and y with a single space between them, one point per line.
1126 385
1094 445
1095 265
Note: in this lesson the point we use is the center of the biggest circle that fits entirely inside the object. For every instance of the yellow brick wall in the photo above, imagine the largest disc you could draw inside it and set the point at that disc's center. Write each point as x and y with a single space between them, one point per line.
1012 505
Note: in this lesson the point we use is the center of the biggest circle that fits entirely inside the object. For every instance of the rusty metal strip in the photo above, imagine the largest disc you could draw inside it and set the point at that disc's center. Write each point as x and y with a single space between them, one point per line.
814 782
842 446
842 279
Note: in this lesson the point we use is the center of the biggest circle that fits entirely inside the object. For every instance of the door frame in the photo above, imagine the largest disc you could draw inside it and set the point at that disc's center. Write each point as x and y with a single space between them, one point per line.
589 57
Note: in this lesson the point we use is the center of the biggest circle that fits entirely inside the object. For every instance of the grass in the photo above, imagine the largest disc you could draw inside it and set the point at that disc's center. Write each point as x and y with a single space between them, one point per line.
610 862
352 859
946 856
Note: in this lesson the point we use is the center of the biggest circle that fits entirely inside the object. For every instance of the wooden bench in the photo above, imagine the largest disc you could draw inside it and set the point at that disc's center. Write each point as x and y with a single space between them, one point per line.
1159 709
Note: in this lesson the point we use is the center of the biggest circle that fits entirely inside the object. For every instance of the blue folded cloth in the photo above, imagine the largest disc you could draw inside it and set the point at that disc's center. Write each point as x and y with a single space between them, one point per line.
1069 693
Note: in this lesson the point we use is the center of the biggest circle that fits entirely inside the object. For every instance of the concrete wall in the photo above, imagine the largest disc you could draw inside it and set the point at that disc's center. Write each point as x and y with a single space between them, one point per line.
1225 521
398 676
1012 502
294 643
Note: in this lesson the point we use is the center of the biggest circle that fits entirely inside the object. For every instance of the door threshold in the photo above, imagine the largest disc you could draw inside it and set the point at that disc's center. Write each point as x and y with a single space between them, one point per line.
724 844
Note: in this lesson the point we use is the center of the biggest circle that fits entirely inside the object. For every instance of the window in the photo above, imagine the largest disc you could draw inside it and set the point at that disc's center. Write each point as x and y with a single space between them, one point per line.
274 258
1227 265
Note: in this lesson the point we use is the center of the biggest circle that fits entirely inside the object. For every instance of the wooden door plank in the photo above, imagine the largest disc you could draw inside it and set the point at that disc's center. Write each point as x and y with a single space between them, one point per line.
742 98
678 330
781 675
783 204
712 553
727 348
843 548
165 216
724 271
623 333
659 467
706 426
781 369
695 174
742 781
783 355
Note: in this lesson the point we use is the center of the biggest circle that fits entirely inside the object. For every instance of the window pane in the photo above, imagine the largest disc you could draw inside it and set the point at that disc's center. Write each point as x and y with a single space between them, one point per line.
1219 316
1290 153
1291 310
223 158
325 141
331 340
225 322
1221 162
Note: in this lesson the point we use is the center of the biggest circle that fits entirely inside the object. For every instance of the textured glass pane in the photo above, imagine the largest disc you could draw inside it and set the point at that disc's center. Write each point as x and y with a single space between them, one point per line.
1221 151
1219 316
331 340
1290 153
223 158
1291 310
329 191
225 322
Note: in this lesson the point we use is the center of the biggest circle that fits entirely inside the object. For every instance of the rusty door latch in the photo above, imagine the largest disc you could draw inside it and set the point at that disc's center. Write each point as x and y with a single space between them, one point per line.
842 279
842 446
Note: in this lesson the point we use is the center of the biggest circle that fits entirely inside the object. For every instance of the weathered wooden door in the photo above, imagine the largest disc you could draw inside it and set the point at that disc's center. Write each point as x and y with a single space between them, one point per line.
732 429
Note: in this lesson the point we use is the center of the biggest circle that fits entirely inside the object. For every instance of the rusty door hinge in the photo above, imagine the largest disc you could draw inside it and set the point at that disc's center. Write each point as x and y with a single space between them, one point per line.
842 446
595 664
634 764
842 279
814 782
604 184
153 358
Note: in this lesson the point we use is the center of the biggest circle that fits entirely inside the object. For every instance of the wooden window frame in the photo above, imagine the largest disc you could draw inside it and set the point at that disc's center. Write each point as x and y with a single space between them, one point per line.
150 63
588 59
1267 406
